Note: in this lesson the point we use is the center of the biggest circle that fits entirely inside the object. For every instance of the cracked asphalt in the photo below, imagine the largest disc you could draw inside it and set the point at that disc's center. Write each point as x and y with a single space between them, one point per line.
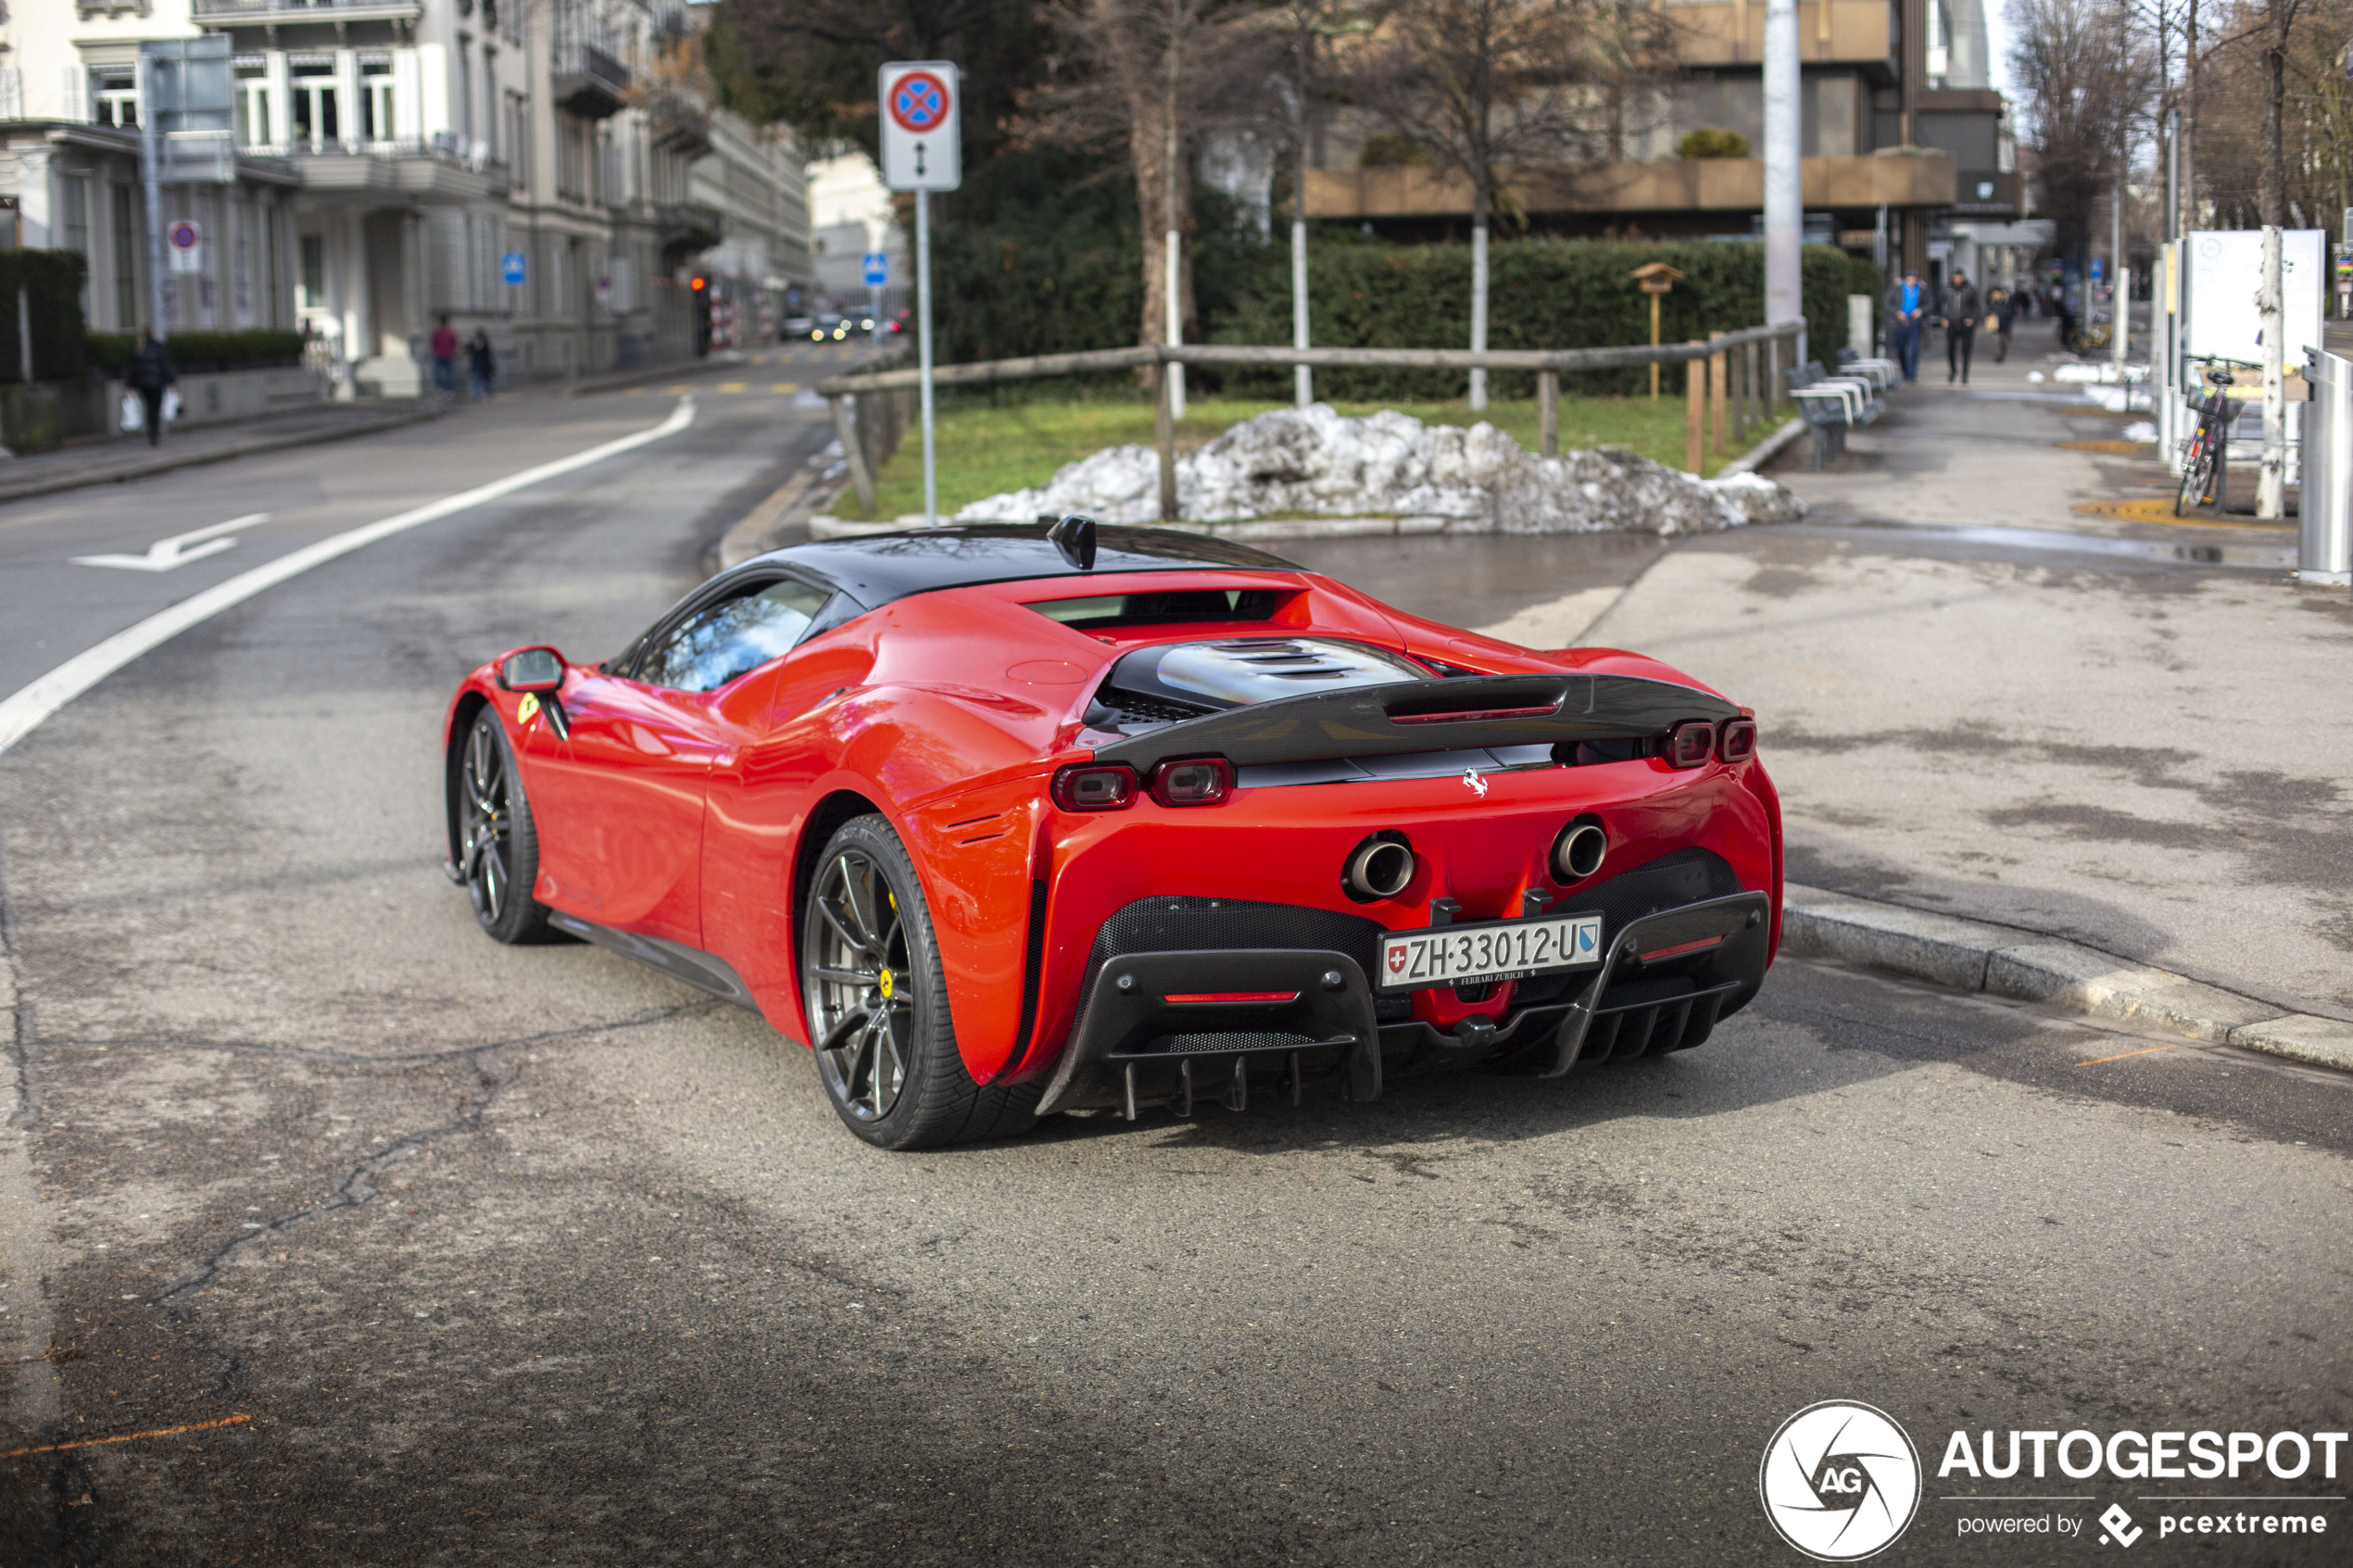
534 1255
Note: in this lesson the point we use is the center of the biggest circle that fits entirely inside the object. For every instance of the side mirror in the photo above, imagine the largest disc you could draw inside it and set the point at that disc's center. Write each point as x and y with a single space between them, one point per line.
532 669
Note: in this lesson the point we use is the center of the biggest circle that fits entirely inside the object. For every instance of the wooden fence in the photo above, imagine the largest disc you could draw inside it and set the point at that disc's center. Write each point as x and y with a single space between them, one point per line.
1729 379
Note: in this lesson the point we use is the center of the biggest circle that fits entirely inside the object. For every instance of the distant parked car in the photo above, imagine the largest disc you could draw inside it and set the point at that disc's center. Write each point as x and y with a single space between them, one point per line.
798 326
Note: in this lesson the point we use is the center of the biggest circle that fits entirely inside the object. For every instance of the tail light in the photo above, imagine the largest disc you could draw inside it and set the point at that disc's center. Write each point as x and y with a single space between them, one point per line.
1196 781
1737 742
1095 787
1689 744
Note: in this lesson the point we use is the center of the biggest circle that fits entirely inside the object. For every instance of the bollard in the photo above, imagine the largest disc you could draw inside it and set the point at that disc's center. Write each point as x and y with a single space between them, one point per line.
2324 529
1164 434
1694 409
1717 385
1548 411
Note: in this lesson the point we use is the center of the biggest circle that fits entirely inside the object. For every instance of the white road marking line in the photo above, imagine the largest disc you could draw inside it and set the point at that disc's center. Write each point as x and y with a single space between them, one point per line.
165 554
23 709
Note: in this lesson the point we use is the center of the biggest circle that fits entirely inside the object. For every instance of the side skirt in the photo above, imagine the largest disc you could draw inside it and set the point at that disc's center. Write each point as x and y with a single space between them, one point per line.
697 968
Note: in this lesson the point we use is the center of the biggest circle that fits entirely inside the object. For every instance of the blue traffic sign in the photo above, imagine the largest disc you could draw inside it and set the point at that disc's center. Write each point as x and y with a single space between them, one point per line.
877 269
511 267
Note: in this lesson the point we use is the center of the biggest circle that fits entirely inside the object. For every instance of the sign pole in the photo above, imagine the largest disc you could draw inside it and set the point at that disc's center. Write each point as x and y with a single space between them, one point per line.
151 177
922 352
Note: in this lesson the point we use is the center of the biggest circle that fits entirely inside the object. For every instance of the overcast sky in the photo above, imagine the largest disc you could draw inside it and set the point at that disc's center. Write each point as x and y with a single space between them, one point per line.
1997 43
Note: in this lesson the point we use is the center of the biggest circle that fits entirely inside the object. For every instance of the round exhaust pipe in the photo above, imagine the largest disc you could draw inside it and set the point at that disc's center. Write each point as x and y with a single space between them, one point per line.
1378 868
1580 851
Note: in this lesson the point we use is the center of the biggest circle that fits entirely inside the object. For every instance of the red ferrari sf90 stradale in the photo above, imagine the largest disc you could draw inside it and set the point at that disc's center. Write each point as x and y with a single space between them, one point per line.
1006 820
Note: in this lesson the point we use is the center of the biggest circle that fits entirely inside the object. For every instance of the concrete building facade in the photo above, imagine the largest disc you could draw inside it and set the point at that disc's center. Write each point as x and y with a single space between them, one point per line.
549 171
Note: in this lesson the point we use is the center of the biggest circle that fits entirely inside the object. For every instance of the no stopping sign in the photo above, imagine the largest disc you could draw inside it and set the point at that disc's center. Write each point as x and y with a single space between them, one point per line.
920 145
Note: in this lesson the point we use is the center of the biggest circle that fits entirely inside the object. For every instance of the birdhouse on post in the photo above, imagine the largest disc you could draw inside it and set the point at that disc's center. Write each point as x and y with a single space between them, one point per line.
1657 280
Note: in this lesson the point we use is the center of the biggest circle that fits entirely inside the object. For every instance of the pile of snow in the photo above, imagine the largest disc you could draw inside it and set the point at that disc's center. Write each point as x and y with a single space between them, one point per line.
1316 462
2139 430
2105 371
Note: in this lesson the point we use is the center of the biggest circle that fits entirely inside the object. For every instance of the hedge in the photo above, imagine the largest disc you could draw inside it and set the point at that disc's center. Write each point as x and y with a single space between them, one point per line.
253 349
1041 260
53 281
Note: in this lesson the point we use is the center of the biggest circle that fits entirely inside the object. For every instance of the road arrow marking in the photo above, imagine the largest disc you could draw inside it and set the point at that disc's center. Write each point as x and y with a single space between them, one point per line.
165 554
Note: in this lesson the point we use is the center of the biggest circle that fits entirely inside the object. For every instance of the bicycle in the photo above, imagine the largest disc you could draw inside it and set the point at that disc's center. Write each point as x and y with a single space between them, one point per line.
2204 474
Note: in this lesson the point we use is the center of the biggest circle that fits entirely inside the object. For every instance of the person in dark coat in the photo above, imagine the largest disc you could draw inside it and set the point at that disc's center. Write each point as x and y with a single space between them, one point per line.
1905 309
481 365
1960 307
2000 310
147 374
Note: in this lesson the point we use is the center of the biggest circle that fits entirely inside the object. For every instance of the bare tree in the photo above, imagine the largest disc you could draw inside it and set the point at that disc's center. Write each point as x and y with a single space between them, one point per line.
1485 85
2087 75
1154 75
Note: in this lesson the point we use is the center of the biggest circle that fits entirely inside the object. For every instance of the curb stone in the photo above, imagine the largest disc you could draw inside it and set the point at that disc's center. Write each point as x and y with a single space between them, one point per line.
1968 955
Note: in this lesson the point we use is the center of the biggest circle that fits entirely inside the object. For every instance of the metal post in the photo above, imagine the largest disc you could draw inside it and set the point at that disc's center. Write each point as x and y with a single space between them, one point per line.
1548 411
854 453
1171 369
152 178
1164 434
1479 314
1694 411
24 336
1784 189
923 349
1717 374
1303 378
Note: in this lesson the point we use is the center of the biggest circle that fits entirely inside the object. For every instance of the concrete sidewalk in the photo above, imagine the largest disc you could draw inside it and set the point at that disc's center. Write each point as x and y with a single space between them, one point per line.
1984 705
131 457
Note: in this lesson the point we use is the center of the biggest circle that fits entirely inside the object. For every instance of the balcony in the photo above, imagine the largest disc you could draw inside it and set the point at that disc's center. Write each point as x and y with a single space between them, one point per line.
1729 32
219 13
441 164
1723 184
590 82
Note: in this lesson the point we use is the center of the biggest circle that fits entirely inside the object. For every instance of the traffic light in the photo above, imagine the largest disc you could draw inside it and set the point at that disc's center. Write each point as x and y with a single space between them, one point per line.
698 289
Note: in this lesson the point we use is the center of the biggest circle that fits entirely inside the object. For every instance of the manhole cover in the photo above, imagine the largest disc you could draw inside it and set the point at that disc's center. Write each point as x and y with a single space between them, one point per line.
2113 448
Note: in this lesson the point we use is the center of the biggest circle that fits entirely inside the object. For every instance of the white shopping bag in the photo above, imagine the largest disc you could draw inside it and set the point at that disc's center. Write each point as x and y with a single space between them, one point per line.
171 405
134 413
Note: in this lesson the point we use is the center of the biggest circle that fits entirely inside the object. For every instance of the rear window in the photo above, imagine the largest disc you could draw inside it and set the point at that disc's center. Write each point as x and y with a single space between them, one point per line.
1168 607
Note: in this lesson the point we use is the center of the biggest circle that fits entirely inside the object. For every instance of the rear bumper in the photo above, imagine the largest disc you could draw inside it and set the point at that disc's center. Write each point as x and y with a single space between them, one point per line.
1168 1028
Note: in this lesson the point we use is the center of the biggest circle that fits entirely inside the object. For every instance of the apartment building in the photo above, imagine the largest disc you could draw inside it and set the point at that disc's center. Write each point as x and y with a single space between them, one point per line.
541 170
1901 136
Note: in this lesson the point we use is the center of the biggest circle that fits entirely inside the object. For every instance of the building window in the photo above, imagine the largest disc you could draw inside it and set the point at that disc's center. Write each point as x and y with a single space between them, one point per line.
375 101
274 239
253 102
314 272
126 259
518 138
572 158
114 94
316 114
490 100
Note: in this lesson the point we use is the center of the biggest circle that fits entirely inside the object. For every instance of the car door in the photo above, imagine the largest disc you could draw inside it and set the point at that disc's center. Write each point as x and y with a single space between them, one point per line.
621 789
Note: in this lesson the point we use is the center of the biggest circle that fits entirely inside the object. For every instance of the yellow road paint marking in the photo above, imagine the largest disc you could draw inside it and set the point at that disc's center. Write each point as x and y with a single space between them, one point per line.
786 387
2113 448
731 386
2157 508
127 1436
2121 1055
679 388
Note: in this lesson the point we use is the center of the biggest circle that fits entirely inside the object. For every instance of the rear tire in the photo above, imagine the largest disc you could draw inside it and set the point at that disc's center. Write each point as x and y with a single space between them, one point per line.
876 995
498 842
2194 474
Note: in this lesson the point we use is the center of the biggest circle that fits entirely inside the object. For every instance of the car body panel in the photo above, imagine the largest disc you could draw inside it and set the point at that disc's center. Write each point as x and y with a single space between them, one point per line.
937 697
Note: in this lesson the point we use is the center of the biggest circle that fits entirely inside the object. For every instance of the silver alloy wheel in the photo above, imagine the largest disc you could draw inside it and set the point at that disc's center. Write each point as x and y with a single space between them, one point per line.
487 822
861 995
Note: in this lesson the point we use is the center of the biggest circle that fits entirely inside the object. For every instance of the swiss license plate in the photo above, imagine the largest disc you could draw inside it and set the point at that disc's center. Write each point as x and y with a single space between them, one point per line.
1503 949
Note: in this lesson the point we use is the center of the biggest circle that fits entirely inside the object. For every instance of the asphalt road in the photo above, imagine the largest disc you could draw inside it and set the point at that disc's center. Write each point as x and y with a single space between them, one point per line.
534 1255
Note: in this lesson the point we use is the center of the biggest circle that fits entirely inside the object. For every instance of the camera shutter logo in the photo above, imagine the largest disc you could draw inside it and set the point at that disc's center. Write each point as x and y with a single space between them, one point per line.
1839 1481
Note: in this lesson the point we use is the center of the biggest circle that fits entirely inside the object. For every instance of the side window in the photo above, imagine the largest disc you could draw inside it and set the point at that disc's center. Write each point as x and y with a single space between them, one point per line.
723 641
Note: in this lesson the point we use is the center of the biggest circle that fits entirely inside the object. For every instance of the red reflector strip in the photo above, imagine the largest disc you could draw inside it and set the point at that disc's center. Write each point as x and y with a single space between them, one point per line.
1201 998
1474 715
1682 947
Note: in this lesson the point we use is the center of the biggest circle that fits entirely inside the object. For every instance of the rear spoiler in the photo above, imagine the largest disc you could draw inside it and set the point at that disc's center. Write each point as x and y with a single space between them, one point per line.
1452 714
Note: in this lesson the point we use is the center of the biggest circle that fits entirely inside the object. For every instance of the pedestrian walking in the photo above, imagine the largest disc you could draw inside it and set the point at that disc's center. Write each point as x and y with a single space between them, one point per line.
481 365
1904 306
1960 309
2000 307
147 374
444 357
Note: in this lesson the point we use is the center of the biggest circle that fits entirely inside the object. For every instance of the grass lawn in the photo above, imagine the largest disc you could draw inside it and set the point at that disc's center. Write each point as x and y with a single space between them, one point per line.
988 451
